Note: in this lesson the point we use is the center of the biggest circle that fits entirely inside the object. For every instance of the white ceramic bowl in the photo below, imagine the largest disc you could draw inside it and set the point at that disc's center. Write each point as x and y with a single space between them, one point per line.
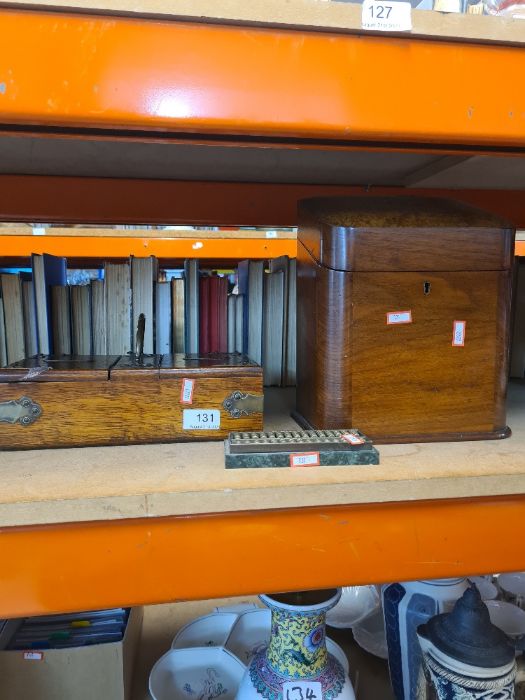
206 631
513 585
356 604
507 617
370 634
487 590
249 634
199 672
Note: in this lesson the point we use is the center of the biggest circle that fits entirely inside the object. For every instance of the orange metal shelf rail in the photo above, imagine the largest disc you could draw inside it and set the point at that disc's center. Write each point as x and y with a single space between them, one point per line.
84 200
165 248
124 73
103 564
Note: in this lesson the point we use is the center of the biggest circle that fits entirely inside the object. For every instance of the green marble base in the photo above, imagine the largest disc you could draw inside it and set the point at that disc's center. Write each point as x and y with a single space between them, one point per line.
352 456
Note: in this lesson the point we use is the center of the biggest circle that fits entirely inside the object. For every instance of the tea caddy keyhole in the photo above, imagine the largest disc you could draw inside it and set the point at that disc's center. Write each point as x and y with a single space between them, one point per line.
426 288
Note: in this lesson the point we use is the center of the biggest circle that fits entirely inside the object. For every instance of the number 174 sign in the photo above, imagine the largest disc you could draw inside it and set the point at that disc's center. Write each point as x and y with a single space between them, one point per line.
302 690
387 16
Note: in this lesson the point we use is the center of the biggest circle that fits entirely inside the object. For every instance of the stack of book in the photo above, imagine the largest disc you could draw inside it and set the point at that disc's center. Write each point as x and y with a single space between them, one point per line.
65 631
199 312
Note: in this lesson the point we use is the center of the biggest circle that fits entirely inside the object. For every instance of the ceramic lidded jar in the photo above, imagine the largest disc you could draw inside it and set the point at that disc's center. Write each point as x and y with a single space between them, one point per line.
406 606
296 664
466 657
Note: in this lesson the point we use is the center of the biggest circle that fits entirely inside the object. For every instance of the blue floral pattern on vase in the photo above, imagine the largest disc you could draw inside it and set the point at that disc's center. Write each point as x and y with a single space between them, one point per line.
392 596
455 686
404 609
420 609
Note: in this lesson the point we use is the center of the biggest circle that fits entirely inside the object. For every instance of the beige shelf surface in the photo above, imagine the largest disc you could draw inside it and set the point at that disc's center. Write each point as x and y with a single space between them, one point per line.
111 483
317 15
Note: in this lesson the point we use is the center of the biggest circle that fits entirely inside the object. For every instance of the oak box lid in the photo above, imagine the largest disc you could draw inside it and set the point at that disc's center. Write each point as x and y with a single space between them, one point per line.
210 365
60 368
177 366
51 368
403 234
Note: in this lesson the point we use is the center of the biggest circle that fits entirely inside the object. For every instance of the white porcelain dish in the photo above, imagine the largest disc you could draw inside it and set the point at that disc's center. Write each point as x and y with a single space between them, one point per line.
206 631
199 672
507 616
249 634
356 604
239 608
242 635
513 586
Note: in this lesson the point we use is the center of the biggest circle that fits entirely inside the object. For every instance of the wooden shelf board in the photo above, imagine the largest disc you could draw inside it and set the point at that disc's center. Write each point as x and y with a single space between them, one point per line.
313 15
113 483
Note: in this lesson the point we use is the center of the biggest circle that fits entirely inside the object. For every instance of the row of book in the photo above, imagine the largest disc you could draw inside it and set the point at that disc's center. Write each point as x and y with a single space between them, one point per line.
250 311
64 631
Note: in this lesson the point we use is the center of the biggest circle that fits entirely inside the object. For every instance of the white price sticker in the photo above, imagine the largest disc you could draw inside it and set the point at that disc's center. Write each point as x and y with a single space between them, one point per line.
200 419
353 439
186 391
302 690
33 655
387 16
305 459
398 317
458 334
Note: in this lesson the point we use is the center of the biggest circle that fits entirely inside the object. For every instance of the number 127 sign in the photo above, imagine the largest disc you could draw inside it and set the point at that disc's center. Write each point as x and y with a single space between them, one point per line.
387 16
302 690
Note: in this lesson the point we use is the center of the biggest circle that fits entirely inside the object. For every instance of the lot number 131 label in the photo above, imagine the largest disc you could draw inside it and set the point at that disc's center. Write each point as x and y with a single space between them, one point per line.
200 419
387 16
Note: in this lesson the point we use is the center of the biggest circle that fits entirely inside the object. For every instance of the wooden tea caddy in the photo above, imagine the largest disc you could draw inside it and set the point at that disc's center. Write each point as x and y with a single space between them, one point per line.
116 400
403 309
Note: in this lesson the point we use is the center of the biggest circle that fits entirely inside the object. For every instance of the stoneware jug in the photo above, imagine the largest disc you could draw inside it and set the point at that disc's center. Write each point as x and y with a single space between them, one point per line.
466 657
296 664
405 607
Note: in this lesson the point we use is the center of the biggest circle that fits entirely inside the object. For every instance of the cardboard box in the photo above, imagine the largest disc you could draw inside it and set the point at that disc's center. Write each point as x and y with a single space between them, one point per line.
102 671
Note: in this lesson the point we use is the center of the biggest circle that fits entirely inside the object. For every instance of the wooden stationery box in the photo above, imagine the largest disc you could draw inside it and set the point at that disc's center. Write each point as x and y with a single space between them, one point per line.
76 401
403 318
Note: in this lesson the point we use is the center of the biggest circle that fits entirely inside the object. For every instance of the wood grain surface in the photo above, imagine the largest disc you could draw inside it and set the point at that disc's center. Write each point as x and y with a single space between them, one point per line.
381 234
133 406
403 382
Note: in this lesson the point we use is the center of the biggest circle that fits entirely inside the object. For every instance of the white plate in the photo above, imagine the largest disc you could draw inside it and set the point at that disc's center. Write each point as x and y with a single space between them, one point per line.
199 672
207 631
249 634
